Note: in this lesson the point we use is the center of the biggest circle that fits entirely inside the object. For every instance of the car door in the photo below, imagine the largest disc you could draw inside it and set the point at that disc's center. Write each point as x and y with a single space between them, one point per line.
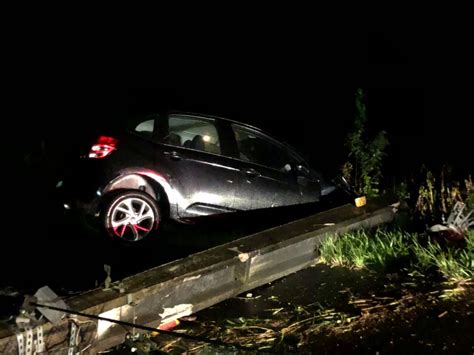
200 173
268 177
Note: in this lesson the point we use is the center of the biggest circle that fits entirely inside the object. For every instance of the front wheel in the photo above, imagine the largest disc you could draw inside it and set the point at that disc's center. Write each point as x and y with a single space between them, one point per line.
131 216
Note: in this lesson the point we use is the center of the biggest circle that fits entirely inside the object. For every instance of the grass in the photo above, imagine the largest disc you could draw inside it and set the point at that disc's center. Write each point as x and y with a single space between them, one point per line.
454 264
382 249
360 249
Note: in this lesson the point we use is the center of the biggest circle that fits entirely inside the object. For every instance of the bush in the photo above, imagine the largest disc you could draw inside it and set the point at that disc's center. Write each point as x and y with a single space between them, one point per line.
365 169
437 194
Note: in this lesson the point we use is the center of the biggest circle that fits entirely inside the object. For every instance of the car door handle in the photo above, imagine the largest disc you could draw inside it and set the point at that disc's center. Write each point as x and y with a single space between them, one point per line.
173 155
252 172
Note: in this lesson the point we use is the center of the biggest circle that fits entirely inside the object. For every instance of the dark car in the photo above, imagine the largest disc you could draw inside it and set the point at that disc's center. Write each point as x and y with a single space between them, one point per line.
180 166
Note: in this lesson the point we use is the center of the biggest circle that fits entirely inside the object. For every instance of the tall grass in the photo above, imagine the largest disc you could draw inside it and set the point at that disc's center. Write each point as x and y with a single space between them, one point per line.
382 248
359 249
454 264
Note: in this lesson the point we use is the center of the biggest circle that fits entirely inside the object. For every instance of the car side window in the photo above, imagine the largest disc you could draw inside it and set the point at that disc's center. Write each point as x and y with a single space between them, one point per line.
142 126
193 133
259 149
145 128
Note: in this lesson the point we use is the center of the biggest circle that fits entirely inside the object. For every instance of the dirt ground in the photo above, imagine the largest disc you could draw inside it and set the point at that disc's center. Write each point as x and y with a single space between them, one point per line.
335 310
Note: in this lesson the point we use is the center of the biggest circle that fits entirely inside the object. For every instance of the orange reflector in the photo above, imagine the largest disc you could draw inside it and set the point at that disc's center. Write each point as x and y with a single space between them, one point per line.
360 201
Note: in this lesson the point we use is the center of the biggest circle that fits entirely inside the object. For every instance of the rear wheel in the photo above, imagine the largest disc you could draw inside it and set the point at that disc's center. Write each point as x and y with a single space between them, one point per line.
131 216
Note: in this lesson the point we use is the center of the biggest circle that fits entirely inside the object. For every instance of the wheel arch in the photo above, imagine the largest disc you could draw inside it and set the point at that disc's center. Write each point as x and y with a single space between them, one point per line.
141 182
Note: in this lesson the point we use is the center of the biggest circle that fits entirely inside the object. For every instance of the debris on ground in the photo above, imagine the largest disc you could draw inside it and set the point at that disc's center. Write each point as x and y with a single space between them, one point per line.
399 313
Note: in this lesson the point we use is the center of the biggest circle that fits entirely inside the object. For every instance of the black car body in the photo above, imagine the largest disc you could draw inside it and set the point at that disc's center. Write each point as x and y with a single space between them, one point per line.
182 165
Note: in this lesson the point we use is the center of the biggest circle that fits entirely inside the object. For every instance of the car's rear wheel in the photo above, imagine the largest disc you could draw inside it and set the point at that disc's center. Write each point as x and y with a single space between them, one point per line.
130 216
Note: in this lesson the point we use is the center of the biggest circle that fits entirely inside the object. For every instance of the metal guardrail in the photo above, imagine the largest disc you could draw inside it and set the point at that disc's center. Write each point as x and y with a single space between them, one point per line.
188 285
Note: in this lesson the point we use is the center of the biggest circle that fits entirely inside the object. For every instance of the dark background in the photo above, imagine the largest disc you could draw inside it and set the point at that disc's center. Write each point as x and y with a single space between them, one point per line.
284 73
291 78
295 81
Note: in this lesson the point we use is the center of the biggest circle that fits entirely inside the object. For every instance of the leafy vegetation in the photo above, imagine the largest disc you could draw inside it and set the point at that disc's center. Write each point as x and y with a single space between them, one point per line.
438 193
365 168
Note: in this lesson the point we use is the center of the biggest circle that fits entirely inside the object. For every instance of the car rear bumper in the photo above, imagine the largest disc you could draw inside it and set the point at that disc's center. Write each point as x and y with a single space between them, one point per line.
78 197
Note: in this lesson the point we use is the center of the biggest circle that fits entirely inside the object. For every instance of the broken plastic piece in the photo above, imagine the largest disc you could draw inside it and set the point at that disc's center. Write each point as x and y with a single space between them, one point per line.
169 325
108 279
47 297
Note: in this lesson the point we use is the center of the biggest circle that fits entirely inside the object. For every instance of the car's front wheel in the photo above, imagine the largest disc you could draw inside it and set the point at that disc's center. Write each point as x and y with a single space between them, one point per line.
131 216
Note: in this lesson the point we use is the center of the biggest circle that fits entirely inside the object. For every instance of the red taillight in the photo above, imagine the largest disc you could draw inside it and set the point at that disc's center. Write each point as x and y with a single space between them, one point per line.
103 147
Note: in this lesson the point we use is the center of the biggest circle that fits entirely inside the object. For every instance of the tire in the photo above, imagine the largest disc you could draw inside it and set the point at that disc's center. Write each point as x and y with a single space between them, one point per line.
130 216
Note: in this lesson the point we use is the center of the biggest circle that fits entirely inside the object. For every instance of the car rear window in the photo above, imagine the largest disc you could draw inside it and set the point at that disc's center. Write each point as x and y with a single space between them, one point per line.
143 126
